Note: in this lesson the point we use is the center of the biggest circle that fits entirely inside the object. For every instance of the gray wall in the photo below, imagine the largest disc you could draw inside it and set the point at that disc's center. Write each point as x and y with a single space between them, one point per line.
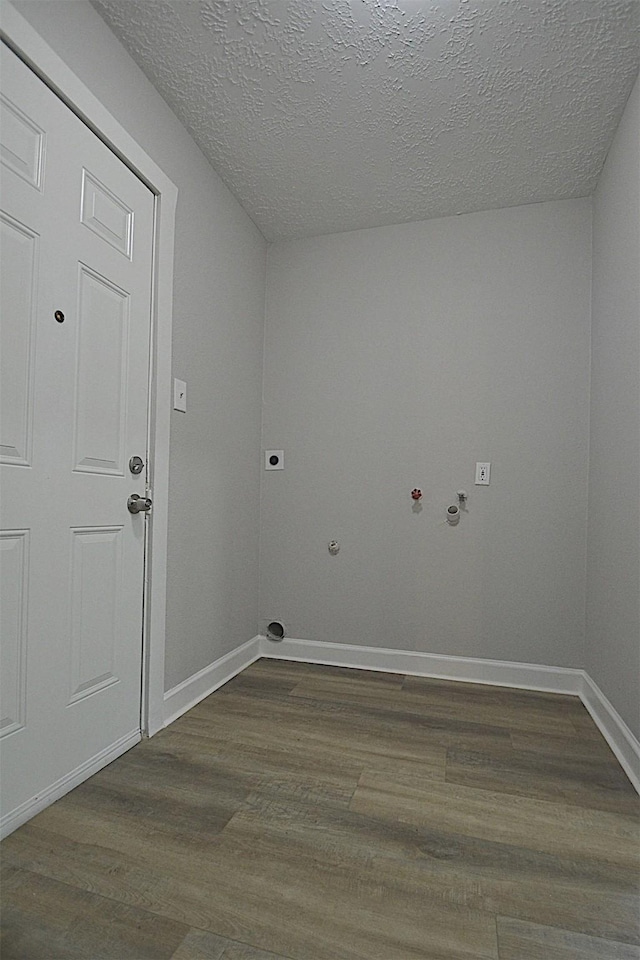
395 358
613 607
217 348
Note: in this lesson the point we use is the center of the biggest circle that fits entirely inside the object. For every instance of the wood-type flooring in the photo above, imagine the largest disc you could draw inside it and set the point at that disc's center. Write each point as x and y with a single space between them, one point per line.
318 813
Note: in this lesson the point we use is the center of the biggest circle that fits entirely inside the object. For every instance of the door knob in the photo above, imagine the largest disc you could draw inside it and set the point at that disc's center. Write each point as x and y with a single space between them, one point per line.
138 504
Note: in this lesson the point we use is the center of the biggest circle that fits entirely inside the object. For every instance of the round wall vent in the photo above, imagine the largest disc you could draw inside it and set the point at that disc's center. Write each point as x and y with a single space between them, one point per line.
275 630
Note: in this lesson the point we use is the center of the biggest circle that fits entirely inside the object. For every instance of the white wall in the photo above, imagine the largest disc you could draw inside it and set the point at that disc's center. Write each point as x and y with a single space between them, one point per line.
217 348
613 597
395 358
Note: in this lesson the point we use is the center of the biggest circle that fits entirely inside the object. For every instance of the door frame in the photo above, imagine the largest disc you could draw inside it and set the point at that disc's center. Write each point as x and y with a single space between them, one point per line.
35 51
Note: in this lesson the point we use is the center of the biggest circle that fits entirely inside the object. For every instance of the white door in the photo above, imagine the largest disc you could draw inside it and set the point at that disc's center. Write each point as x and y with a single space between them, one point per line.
76 247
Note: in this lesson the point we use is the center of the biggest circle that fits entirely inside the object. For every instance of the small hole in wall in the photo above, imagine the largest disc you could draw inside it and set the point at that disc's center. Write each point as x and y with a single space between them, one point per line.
275 630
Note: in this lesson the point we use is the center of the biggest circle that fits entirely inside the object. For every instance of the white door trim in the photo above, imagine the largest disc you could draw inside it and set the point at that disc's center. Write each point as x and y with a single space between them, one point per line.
31 47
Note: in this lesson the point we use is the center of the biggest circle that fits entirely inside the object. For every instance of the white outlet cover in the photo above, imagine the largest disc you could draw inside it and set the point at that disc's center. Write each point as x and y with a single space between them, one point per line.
274 459
483 474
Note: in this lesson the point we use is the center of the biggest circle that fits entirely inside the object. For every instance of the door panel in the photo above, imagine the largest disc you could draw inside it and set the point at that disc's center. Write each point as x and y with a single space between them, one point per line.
96 573
21 143
101 375
19 247
14 554
106 214
77 232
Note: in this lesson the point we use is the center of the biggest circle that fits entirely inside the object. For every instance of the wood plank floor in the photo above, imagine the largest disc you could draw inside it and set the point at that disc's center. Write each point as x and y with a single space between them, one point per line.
317 813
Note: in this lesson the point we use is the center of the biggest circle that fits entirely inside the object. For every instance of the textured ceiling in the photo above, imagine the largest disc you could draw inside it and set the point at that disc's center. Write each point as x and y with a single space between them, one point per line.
330 115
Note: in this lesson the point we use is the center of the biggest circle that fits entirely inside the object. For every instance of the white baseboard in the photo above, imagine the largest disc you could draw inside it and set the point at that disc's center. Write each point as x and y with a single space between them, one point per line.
613 728
15 818
503 673
194 689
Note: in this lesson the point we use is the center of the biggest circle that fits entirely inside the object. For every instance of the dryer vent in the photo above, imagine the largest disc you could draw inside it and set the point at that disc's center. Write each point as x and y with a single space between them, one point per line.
275 630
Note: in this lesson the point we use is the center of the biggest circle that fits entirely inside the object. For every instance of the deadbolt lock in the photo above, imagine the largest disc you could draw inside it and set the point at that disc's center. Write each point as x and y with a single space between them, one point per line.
136 465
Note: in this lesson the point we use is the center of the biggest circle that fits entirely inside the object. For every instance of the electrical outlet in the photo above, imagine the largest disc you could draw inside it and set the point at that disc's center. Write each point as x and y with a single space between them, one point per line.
483 474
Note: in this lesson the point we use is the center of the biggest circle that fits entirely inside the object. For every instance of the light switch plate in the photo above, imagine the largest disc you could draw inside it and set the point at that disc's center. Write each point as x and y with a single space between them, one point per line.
180 395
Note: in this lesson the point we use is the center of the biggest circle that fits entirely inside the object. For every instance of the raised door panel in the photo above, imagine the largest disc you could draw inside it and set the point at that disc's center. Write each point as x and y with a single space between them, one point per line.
96 577
22 144
101 375
17 329
106 214
14 588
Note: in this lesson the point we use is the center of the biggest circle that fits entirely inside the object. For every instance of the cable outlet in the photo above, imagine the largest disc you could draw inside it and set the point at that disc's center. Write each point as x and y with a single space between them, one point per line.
274 459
